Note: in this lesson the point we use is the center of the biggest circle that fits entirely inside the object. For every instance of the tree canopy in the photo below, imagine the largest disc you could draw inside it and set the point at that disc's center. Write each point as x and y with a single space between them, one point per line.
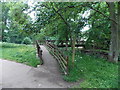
64 21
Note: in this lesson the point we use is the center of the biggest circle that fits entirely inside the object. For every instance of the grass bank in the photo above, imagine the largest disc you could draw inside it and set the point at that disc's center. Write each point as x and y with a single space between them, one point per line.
95 72
20 53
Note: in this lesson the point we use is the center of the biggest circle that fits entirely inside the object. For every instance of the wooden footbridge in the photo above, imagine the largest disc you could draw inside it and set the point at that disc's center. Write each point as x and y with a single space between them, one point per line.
62 59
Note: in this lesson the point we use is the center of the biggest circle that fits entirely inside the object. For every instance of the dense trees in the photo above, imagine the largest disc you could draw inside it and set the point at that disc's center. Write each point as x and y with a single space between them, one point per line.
65 21
112 11
102 17
15 22
4 18
66 24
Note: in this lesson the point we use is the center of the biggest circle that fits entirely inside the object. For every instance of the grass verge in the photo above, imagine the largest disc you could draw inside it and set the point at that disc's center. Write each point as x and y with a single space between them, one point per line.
20 53
96 72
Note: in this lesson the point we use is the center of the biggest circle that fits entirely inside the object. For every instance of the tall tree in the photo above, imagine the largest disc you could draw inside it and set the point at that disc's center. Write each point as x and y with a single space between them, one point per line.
17 21
113 54
119 26
73 21
4 16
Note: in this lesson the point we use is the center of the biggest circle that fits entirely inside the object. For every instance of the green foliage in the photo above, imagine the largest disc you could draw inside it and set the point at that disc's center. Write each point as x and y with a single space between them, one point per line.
41 35
17 12
99 27
53 23
8 39
26 41
50 24
95 72
19 53
4 9
61 21
16 24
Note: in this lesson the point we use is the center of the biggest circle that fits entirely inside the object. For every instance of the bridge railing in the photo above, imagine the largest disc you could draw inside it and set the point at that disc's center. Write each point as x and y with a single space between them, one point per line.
61 58
39 52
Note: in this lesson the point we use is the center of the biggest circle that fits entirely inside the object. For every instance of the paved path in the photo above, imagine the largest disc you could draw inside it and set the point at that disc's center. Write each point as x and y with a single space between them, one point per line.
16 75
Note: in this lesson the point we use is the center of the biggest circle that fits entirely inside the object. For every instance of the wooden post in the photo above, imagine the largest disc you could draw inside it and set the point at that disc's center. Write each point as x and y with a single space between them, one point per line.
40 54
67 64
37 46
55 51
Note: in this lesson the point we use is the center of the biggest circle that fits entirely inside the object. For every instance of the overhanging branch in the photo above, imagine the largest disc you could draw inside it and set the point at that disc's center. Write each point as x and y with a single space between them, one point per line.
102 14
88 7
72 6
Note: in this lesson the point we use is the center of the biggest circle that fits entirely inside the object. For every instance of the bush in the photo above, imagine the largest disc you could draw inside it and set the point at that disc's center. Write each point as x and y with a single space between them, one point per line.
26 41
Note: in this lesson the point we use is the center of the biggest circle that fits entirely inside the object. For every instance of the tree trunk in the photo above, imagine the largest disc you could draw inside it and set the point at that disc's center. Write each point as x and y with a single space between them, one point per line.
113 53
119 26
73 50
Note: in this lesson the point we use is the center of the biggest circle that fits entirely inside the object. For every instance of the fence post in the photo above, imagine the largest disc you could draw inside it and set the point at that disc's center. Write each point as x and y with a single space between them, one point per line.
39 52
41 56
37 47
67 65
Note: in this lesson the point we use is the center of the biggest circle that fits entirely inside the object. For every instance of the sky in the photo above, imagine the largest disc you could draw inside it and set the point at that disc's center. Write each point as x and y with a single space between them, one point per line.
31 3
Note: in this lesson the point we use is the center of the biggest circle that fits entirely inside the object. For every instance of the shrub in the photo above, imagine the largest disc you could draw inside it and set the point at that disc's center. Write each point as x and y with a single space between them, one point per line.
26 40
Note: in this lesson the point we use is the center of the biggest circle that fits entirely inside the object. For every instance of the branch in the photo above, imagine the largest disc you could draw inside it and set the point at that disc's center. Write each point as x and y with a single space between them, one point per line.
102 14
61 17
57 11
90 8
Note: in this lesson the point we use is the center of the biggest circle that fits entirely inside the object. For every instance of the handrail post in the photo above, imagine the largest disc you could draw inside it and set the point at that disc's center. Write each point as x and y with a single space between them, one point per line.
41 56
67 64
37 47
39 52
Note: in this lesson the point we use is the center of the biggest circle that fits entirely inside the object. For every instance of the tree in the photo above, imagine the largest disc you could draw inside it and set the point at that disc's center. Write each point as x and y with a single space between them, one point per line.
119 26
113 55
4 18
64 21
16 24
99 27
113 49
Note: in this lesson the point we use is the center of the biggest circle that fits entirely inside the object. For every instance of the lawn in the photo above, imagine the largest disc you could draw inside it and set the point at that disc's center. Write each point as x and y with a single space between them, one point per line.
95 72
20 53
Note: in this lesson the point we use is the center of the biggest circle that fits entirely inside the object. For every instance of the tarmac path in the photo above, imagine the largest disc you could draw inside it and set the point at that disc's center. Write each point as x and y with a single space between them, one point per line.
17 75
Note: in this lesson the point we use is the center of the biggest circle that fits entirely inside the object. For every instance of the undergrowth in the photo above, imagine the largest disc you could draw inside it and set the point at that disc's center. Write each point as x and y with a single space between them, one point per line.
95 72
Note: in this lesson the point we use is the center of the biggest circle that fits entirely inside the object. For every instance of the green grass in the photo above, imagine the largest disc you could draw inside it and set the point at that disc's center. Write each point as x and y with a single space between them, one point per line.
20 53
95 72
